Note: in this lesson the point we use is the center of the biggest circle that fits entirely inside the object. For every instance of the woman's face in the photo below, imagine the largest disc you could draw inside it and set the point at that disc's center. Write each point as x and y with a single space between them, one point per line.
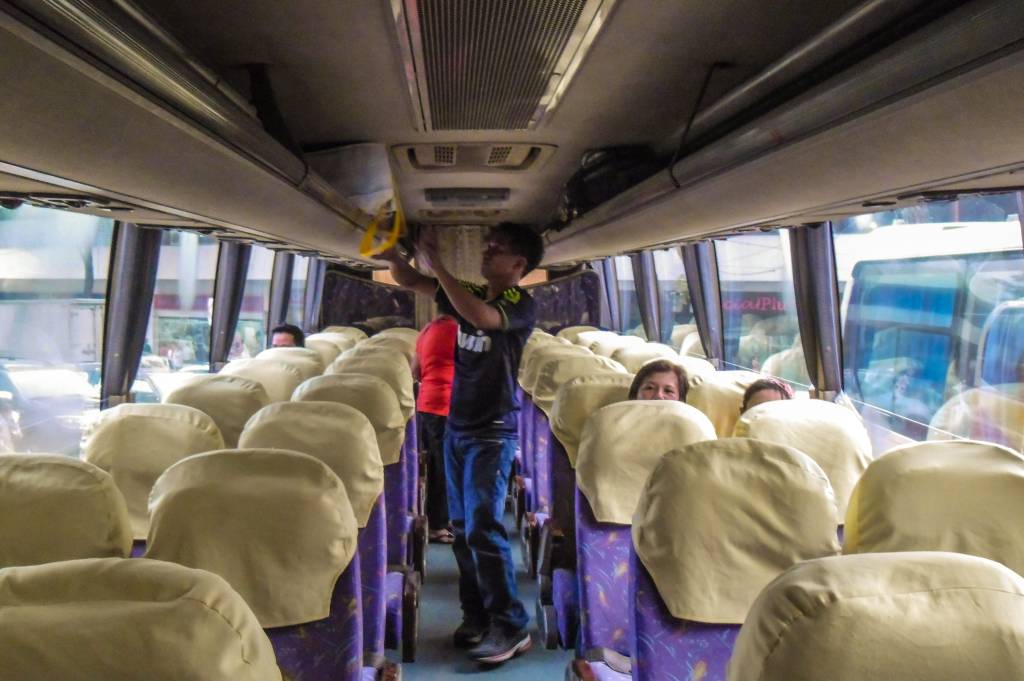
659 386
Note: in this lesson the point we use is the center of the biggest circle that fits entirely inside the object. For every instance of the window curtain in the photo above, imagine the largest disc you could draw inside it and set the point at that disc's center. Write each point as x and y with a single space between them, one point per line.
816 287
228 291
646 281
280 289
701 266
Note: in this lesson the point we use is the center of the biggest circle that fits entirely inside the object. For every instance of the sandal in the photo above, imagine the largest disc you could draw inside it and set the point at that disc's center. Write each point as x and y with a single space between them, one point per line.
443 536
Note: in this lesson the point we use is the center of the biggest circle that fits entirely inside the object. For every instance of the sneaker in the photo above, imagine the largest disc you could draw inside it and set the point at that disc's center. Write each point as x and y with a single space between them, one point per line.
469 634
498 646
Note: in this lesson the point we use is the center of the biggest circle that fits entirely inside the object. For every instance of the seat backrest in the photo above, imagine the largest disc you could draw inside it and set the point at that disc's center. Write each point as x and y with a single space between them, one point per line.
982 414
831 434
571 333
696 368
960 496
580 397
622 443
915 616
56 508
692 346
679 334
228 400
553 371
635 355
306 360
720 397
337 434
327 350
120 619
607 345
402 332
370 395
391 368
719 520
135 443
342 341
537 340
544 354
388 345
276 524
348 331
278 378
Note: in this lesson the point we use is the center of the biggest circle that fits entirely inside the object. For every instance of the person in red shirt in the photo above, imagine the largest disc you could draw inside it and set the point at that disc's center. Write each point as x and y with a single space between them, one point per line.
434 367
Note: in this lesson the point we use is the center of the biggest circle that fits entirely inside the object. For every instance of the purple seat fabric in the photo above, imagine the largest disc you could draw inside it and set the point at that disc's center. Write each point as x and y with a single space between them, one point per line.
396 502
373 568
603 672
411 459
526 444
330 649
138 548
541 502
602 569
565 592
563 497
664 647
394 587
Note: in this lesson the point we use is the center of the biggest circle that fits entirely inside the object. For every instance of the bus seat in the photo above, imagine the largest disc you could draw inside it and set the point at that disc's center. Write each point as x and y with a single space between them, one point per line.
620 446
789 365
696 368
228 400
278 378
348 331
554 370
916 616
388 345
571 333
55 508
607 345
278 526
118 619
344 439
384 366
720 397
679 334
341 341
135 443
634 356
717 521
692 346
538 339
829 433
992 414
306 360
941 496
543 354
327 350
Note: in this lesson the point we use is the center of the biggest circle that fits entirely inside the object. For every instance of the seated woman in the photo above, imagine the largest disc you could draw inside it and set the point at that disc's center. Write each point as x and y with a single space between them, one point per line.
659 380
765 390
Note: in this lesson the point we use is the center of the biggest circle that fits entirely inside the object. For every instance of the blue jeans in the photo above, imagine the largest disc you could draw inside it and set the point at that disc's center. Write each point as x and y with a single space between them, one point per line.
477 471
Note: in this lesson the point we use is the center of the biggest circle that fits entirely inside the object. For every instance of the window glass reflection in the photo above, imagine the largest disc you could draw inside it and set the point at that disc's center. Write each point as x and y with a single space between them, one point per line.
629 303
296 308
677 322
251 330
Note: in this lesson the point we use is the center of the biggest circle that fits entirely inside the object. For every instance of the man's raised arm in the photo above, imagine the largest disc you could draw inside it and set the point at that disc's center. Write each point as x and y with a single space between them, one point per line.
406 275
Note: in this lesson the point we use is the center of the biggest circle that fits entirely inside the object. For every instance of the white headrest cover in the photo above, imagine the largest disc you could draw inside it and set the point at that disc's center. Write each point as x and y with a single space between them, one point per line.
957 496
228 400
408 334
327 350
831 434
541 355
349 331
306 360
57 508
990 414
121 619
570 333
587 338
391 368
135 443
278 378
907 616
580 397
720 396
387 345
636 355
696 368
337 434
607 345
692 346
553 371
720 519
537 339
622 443
277 525
340 340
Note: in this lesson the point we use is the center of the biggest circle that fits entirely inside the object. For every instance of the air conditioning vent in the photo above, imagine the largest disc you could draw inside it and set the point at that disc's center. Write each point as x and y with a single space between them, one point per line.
461 214
489 64
467 196
473 156
444 155
499 155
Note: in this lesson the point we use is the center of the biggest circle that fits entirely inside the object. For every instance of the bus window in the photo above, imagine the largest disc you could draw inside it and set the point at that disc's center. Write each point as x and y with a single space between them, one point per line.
674 296
629 304
759 306
251 330
350 300
918 296
178 336
53 277
296 299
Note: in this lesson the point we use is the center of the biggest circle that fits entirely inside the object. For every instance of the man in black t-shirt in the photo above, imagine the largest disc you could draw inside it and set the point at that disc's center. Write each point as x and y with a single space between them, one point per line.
480 442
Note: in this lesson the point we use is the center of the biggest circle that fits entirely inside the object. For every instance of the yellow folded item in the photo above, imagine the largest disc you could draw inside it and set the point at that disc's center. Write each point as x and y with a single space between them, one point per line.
306 360
327 350
391 368
56 508
829 433
571 333
718 520
122 619
622 443
276 524
228 400
578 399
907 616
278 378
553 371
959 496
135 443
720 396
636 355
337 434
370 395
